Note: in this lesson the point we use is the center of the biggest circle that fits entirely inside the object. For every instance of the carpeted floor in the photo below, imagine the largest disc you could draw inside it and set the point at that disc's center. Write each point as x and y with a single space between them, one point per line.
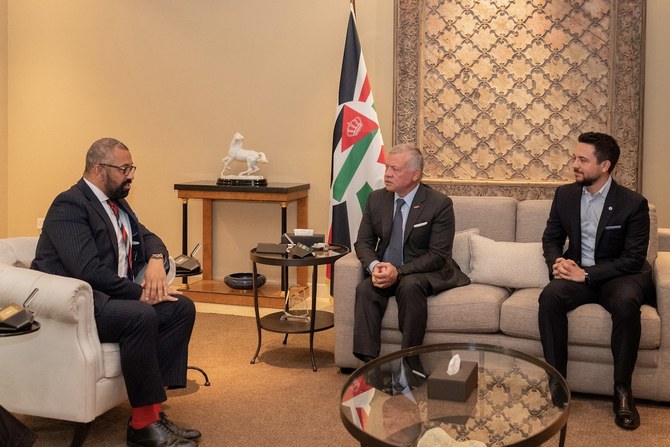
280 401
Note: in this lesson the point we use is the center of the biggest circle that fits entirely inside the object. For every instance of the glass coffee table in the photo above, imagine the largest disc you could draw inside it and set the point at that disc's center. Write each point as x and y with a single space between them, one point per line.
407 398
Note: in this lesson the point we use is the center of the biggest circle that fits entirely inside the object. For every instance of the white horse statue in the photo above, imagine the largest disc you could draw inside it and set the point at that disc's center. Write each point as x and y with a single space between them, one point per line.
236 152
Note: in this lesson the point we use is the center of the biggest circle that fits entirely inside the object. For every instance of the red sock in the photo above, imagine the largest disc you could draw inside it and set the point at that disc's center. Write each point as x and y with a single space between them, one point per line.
144 415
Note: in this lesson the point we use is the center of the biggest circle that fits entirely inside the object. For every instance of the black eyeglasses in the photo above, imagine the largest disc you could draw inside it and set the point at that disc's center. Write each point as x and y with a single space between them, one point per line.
127 170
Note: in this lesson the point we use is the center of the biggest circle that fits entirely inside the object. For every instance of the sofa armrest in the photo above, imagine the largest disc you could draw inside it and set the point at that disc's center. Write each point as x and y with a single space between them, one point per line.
58 296
348 273
18 251
61 362
662 283
664 239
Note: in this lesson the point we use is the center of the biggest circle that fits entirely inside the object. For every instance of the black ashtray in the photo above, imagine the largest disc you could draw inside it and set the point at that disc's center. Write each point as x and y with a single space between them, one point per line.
243 281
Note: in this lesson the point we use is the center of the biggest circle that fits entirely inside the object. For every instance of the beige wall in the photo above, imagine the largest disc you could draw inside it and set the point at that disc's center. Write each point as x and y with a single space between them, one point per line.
3 118
656 156
176 80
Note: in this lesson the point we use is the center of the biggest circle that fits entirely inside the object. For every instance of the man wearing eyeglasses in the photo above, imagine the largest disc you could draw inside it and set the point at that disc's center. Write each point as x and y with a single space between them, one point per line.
91 233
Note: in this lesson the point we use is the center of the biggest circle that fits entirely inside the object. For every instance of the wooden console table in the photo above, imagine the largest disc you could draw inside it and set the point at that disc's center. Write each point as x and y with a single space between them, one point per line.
210 291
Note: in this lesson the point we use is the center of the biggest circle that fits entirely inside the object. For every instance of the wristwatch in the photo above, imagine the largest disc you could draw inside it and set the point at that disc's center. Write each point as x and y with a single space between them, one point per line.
157 256
587 278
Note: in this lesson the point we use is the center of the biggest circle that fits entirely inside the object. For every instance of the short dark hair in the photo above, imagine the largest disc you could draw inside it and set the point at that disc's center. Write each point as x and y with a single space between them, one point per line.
99 151
606 147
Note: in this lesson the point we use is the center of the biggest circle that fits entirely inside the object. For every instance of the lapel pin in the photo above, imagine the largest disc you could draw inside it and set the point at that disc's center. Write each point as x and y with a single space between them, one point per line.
416 207
610 208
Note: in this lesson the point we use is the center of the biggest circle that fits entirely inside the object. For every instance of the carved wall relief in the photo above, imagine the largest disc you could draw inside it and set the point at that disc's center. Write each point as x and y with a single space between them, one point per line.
496 92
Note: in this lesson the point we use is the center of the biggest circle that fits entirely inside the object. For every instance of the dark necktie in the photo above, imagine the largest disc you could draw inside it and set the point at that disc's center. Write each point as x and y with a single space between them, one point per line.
124 235
394 250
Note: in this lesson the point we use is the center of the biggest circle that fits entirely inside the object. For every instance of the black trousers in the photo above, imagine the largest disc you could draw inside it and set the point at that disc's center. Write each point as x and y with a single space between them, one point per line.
153 344
371 302
622 297
12 431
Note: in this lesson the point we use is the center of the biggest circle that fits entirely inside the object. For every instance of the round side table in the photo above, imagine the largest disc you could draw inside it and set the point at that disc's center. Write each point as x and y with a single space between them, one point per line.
319 320
33 327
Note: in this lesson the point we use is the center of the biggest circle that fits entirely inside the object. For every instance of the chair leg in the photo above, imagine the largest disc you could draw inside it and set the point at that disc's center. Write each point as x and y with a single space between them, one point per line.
80 432
202 372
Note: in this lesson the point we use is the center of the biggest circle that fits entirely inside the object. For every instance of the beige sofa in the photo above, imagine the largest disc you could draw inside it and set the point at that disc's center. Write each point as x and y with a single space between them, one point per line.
500 307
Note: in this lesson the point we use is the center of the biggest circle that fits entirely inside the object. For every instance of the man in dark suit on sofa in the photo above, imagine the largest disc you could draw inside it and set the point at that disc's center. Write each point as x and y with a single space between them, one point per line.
91 233
404 243
605 263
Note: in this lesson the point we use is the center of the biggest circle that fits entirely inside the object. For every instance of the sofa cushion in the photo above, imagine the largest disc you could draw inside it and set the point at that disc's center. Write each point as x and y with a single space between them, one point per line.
531 219
472 308
589 324
494 216
111 359
507 264
461 248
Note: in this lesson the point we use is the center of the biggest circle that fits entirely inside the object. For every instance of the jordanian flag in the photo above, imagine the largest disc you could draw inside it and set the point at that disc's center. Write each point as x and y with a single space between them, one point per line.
358 149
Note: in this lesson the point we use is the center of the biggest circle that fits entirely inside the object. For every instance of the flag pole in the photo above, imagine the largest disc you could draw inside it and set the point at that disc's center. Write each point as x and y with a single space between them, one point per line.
353 4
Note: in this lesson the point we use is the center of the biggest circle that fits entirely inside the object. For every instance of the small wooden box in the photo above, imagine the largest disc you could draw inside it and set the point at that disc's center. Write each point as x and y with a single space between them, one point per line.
457 387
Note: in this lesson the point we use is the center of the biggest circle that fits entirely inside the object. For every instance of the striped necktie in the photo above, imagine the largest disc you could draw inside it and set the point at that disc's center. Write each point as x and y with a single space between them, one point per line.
124 235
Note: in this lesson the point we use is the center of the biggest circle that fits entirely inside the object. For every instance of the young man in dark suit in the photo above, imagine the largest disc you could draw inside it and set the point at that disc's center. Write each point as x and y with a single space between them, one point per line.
91 233
404 243
608 230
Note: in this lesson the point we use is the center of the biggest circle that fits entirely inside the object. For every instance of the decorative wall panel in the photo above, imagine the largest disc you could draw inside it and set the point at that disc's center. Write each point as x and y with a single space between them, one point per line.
495 92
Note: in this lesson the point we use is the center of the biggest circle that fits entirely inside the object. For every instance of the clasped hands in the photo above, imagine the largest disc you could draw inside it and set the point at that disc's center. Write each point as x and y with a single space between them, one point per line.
384 275
154 285
568 270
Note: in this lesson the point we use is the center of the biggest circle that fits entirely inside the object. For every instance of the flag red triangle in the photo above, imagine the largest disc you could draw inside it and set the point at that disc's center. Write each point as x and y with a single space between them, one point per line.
355 126
382 156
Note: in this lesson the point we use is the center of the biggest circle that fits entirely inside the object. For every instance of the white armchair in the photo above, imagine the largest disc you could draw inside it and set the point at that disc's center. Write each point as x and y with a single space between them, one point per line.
62 371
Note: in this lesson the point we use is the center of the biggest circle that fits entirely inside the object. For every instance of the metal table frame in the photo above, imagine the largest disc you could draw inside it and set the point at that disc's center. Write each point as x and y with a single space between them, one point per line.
319 320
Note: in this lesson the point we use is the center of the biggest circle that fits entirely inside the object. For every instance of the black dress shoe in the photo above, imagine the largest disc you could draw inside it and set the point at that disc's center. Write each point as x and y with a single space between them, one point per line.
156 435
558 395
376 378
625 413
187 433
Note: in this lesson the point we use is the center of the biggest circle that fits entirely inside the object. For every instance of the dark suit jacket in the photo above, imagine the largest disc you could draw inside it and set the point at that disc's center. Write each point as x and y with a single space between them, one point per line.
78 240
429 236
622 236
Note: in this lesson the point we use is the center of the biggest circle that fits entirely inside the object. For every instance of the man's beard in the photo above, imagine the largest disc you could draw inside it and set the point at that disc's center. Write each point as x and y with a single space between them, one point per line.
118 192
586 181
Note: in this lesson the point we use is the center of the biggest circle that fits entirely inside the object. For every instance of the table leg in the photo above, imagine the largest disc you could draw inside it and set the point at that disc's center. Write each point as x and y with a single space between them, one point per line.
207 238
202 371
258 316
284 270
301 218
312 320
564 430
184 238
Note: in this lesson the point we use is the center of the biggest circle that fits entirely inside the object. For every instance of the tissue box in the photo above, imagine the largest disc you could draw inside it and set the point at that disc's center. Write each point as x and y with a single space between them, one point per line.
307 240
457 387
451 412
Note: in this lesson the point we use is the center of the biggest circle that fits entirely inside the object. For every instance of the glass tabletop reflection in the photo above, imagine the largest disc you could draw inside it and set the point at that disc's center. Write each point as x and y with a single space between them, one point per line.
499 397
